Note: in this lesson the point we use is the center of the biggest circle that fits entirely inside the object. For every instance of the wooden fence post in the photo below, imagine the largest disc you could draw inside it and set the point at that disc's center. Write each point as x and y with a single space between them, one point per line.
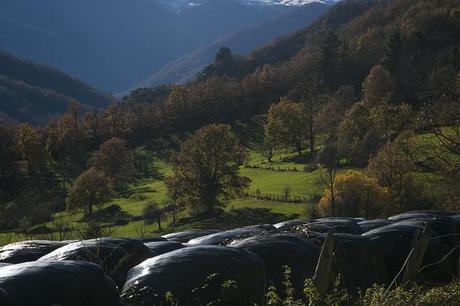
323 272
419 246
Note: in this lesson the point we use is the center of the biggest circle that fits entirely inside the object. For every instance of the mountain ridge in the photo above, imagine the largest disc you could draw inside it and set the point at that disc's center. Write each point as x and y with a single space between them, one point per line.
33 92
114 45
242 42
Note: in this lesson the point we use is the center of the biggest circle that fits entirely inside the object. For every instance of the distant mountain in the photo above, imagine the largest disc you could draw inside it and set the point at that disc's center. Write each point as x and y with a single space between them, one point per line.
217 18
115 44
244 41
179 5
34 93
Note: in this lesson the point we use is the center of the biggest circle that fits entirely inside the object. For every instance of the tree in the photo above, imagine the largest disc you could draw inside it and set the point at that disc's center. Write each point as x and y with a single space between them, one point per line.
395 168
285 125
266 149
116 161
205 171
330 59
355 195
329 159
378 87
153 213
307 91
91 188
359 136
94 125
31 148
9 154
178 103
173 209
392 165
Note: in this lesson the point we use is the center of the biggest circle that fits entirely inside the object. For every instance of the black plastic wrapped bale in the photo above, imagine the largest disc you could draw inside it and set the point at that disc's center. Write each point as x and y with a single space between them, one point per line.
28 250
189 235
65 283
394 241
420 214
444 229
327 219
115 255
228 237
195 276
299 254
161 247
287 225
346 226
441 225
356 262
4 298
150 239
369 225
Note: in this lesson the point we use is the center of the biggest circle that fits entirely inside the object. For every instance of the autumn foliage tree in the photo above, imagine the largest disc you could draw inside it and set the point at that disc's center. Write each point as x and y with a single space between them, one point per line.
329 158
31 148
115 160
286 125
356 195
205 171
91 188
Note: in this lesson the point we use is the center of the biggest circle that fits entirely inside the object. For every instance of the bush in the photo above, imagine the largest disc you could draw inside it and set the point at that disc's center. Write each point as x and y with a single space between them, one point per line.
39 230
119 222
394 167
152 213
93 230
356 194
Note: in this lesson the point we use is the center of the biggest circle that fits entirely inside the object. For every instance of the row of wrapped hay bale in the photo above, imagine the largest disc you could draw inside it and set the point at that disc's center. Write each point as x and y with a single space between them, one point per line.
193 265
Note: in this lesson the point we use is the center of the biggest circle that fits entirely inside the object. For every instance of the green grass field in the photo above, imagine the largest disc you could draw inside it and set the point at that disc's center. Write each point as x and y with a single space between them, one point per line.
285 175
264 202
273 182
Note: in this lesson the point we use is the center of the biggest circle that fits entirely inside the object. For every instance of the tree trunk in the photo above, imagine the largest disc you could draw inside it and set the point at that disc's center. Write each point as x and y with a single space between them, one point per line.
159 223
174 218
311 132
89 209
332 204
312 143
299 147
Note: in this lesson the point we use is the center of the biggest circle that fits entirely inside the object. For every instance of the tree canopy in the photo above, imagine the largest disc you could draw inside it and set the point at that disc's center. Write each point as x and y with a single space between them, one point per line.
205 171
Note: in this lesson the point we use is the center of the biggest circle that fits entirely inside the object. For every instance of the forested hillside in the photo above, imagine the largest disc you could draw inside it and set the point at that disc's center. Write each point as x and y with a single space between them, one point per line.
361 108
241 42
114 46
35 93
415 41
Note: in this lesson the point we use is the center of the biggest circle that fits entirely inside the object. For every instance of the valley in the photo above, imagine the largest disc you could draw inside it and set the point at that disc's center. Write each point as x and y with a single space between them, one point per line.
229 152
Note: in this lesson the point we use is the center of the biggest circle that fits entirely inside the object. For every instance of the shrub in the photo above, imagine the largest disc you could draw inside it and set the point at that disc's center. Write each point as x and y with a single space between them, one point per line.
39 230
93 230
394 167
356 194
152 213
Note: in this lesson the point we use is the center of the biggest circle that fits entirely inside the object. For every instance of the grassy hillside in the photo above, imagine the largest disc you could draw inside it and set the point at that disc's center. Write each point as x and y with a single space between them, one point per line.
241 211
284 189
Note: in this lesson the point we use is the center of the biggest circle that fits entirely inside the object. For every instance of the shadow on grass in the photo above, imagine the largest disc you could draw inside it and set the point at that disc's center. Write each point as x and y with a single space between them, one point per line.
306 158
241 217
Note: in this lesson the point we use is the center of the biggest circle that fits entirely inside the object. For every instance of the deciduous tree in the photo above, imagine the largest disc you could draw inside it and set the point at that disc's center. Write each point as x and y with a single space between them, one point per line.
91 188
287 125
205 171
116 161
355 195
329 159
